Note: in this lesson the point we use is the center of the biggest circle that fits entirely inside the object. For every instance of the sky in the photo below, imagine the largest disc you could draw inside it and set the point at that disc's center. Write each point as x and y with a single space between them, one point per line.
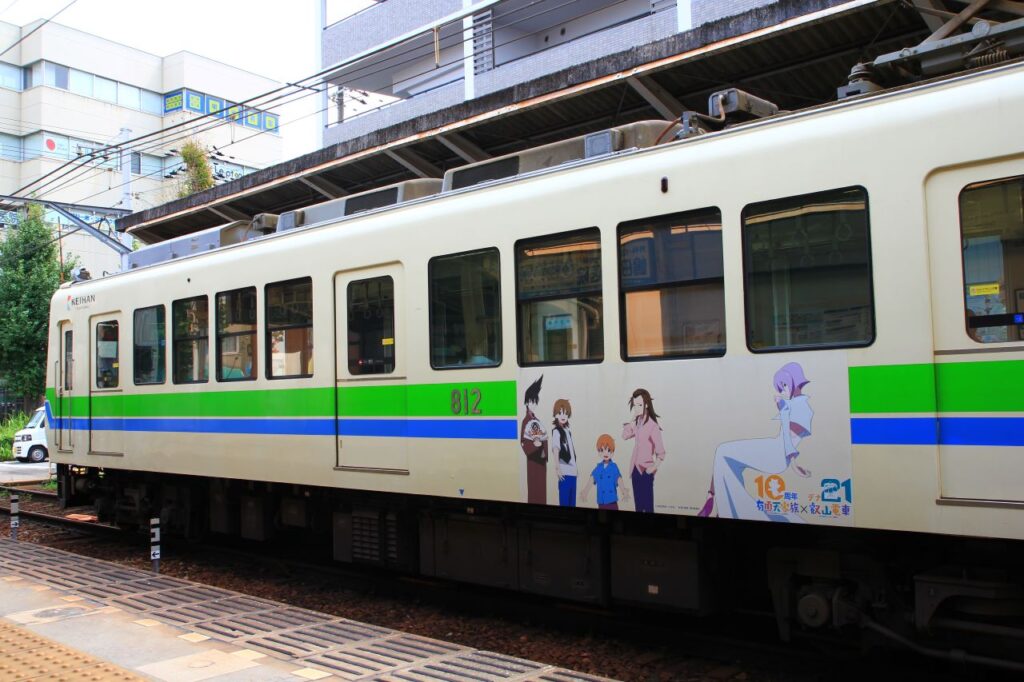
277 39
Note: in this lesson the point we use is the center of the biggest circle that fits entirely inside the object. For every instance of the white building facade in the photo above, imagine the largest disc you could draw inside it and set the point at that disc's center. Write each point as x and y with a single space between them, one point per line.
64 94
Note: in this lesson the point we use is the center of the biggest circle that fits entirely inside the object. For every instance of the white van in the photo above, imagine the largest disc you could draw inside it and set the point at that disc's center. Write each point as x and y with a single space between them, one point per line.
30 443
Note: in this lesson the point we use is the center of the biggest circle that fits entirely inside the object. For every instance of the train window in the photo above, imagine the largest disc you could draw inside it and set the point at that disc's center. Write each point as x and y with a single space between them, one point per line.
190 320
807 271
108 369
371 326
671 286
149 345
992 230
290 329
465 310
68 370
236 335
558 289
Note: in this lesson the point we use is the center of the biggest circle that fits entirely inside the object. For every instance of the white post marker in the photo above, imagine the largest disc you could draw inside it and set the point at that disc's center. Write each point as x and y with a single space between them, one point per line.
15 521
154 543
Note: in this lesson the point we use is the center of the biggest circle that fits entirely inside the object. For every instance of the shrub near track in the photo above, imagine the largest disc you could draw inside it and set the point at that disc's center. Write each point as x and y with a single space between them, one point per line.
13 423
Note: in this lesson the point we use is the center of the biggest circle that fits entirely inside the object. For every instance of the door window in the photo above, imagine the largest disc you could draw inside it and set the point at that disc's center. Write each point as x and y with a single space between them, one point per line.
992 233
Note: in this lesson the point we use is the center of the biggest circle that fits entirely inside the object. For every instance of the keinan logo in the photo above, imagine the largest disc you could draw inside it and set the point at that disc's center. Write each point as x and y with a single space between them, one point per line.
75 302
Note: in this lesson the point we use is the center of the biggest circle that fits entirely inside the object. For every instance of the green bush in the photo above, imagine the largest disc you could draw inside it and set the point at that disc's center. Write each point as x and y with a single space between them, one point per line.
15 422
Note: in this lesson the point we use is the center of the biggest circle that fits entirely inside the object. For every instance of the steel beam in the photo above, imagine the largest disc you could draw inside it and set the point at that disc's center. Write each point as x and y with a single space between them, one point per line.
667 106
414 163
322 186
467 151
228 213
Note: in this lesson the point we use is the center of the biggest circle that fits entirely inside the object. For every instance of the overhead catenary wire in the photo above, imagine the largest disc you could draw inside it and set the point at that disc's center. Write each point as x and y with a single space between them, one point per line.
20 40
357 72
198 125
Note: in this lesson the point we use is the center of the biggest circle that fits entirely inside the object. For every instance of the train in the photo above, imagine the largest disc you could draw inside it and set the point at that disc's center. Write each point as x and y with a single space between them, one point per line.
797 397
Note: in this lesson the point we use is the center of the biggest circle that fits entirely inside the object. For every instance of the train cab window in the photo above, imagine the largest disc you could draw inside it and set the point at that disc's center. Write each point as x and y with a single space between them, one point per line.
465 310
290 329
807 272
108 369
371 326
190 320
992 230
558 291
149 345
236 335
671 286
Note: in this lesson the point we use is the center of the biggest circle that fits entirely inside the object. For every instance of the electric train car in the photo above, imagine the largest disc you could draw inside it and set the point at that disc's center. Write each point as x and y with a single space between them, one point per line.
776 366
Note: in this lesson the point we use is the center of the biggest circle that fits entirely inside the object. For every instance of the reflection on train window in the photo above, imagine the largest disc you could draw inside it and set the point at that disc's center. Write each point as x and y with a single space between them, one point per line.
68 366
290 329
465 310
558 290
149 346
236 335
190 321
673 298
807 271
108 369
992 228
371 326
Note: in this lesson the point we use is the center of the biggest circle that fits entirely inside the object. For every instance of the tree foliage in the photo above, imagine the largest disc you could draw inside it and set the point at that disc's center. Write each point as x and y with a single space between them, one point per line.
198 174
29 274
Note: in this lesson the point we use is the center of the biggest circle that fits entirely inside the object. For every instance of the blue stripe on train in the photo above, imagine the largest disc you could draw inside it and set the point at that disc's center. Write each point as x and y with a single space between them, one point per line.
488 429
995 431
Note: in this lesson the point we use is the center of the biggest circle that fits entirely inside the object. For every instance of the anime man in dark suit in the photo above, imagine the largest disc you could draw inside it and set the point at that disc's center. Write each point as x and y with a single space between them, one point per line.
534 441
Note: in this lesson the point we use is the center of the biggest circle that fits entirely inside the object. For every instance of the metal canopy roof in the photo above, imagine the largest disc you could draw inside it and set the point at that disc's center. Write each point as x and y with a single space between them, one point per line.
794 53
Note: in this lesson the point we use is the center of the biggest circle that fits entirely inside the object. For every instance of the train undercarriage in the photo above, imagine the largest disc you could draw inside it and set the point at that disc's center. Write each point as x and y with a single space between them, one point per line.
952 598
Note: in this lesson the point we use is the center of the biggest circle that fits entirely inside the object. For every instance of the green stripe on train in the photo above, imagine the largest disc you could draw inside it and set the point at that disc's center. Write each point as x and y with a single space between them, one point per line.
944 387
497 399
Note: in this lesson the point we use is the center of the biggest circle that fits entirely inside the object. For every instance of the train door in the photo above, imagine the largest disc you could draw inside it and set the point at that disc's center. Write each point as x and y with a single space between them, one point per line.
106 414
370 369
64 381
976 248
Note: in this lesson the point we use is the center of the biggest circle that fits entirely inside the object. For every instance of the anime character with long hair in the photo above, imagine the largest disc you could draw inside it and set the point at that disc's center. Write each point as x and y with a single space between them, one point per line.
562 445
534 441
648 448
727 495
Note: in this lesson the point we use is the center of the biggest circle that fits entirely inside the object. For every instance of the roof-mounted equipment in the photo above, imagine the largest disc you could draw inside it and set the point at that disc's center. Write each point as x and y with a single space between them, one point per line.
359 203
632 136
200 242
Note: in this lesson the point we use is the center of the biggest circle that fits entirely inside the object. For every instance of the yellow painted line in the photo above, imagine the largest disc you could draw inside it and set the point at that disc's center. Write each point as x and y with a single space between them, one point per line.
193 637
147 622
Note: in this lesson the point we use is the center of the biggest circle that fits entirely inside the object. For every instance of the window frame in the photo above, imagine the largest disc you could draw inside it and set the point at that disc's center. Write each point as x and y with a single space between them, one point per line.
175 339
394 330
430 312
117 355
870 267
519 312
963 266
623 346
269 355
218 335
135 326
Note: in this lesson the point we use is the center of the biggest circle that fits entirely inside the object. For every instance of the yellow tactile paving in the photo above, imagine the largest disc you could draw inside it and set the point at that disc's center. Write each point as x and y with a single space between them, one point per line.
27 657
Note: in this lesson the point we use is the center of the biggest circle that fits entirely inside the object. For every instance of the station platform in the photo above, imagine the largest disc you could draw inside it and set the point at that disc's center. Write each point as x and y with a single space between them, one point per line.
68 617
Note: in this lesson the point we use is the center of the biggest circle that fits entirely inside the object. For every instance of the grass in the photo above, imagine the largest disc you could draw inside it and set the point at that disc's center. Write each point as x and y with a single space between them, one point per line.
14 422
50 485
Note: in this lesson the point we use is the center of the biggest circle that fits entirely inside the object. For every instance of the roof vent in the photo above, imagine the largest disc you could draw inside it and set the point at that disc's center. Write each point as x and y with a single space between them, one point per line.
359 203
632 136
199 242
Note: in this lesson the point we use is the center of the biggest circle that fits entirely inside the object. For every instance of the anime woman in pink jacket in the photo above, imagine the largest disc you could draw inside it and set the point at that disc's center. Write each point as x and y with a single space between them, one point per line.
648 448
727 495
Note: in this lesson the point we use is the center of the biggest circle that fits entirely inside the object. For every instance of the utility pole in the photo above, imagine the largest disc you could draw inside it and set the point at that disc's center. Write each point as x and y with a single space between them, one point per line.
126 170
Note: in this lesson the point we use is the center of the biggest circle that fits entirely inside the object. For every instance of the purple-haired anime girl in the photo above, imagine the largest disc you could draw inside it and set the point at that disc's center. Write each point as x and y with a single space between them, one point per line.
727 495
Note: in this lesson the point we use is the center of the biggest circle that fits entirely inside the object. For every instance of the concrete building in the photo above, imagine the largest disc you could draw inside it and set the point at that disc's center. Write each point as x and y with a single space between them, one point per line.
482 47
65 93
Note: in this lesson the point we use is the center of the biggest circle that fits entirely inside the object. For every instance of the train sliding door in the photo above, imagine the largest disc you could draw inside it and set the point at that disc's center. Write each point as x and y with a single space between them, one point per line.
976 247
64 392
370 369
106 424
